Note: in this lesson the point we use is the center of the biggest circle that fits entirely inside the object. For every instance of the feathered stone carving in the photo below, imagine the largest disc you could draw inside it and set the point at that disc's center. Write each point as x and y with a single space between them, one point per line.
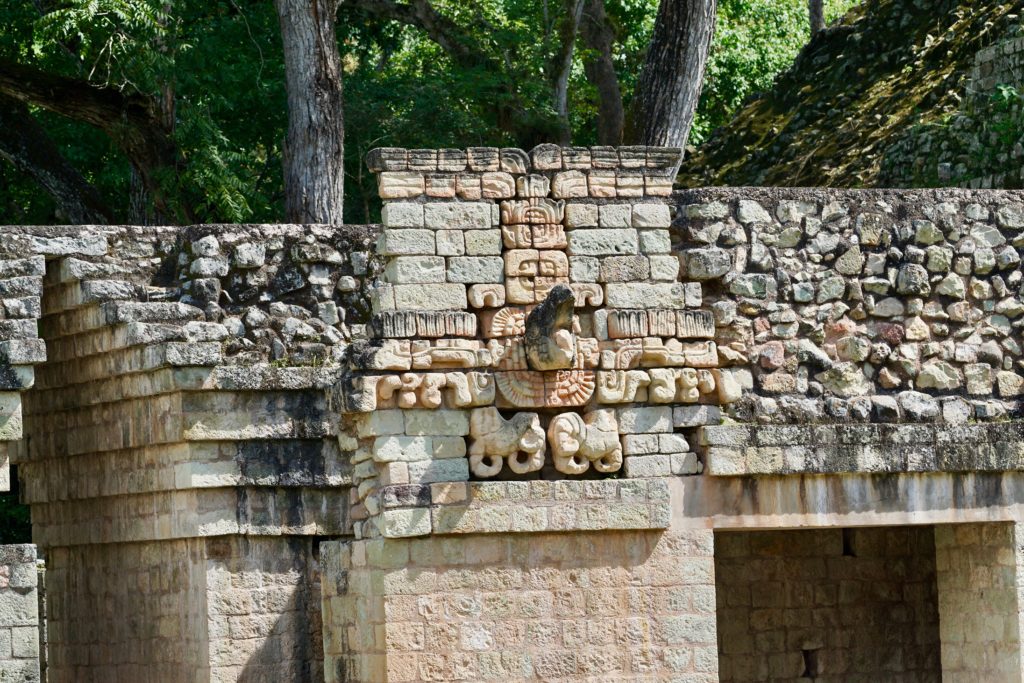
550 342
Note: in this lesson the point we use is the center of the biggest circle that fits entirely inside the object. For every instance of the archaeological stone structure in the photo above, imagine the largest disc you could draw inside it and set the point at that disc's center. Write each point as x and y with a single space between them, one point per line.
553 420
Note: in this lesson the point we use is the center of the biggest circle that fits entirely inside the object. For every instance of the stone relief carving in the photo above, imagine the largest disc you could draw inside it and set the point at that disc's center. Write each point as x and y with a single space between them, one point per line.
581 441
519 442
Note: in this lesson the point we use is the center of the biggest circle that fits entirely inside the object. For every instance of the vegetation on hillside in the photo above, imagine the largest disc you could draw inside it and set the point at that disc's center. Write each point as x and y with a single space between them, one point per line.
828 119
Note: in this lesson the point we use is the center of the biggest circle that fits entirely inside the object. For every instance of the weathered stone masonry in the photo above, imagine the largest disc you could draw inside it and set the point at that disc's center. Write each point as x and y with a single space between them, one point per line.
538 426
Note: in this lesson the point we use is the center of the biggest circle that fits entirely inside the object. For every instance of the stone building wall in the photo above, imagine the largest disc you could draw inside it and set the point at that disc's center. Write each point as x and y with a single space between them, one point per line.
830 605
635 606
203 406
19 614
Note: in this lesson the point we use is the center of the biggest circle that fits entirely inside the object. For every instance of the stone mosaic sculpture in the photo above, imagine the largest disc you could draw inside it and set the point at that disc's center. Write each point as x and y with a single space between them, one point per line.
537 294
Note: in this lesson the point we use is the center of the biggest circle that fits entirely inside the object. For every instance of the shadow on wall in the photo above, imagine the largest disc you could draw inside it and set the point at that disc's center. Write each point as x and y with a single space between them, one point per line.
280 638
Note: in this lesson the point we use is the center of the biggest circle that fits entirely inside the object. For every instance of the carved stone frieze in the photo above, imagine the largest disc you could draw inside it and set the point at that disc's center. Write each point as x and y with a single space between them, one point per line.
580 441
495 441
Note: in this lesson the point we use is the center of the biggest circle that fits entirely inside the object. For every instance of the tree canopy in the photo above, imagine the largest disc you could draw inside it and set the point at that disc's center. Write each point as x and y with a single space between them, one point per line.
194 91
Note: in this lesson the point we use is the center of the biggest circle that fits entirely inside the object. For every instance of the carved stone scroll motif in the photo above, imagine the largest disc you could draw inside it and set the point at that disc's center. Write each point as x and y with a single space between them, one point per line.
495 441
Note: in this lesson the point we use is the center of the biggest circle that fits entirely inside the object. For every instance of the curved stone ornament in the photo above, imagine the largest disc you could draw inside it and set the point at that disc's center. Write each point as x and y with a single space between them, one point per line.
581 441
495 440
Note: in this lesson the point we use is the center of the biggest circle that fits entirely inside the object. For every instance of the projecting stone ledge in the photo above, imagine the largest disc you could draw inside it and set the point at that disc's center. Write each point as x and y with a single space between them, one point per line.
737 450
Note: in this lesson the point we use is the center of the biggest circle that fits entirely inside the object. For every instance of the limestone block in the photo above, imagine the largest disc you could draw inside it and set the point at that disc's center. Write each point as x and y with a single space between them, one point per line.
483 242
468 186
487 296
406 242
402 215
626 269
664 268
394 448
603 242
433 471
451 242
437 423
497 186
400 184
584 268
404 523
476 269
482 158
532 185
651 216
642 466
387 159
615 216
403 270
601 184
433 297
645 295
581 215
655 242
637 420
457 215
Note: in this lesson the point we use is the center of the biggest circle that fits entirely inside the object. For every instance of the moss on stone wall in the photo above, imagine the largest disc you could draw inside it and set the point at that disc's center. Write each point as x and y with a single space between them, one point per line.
887 66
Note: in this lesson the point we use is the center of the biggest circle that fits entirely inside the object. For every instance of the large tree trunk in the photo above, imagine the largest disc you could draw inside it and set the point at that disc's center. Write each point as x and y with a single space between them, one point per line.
816 10
673 73
568 28
599 37
25 144
314 176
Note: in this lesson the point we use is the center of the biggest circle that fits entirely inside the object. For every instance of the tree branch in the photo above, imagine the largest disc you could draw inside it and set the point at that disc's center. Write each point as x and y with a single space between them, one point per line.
132 121
25 144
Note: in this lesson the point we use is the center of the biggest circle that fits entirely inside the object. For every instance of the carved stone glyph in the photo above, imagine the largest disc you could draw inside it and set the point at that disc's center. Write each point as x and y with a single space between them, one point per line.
531 274
581 441
423 390
494 441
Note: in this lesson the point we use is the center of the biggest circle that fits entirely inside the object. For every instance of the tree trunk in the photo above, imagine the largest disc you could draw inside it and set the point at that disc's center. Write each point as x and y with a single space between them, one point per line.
599 37
25 144
314 175
816 9
568 29
669 87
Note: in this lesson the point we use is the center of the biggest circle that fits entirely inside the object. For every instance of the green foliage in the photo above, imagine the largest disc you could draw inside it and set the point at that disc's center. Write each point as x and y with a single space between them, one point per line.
220 63
754 41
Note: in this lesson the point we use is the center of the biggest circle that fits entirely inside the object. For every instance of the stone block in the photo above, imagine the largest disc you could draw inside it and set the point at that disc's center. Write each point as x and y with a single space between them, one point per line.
664 268
437 422
402 448
404 523
402 215
641 466
476 269
655 242
651 216
636 420
406 243
696 416
434 297
615 216
625 269
433 471
645 295
603 242
450 243
581 215
483 242
457 215
400 185
403 270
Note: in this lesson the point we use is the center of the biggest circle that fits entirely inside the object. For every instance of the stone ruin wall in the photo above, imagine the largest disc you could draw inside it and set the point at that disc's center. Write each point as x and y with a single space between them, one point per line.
210 403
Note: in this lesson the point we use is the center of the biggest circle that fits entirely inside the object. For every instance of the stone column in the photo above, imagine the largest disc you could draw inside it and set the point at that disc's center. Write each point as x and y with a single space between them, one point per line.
979 573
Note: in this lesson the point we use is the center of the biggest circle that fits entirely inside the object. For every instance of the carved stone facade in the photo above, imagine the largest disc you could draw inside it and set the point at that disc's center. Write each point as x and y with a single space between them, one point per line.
550 421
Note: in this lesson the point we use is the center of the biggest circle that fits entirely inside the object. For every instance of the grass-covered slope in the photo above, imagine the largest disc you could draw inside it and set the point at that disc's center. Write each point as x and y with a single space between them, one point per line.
888 65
